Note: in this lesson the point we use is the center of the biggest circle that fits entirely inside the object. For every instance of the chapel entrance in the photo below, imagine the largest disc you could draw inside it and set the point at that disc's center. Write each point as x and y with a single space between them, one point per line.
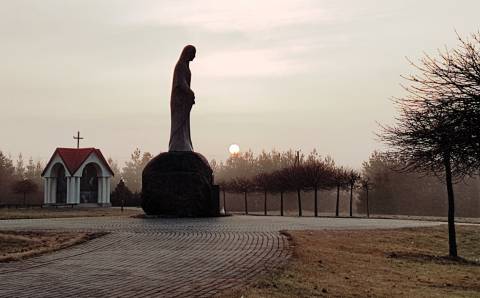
61 189
89 184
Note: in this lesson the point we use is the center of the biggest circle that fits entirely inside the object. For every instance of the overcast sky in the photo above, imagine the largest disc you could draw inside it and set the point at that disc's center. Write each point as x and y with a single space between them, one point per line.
268 74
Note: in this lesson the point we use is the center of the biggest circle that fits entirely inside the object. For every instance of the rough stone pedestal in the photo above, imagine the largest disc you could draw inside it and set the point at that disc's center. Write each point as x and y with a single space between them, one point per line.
179 184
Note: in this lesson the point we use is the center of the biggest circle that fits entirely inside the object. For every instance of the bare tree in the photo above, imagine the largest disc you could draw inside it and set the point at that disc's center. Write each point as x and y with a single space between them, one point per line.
117 177
121 195
132 171
7 173
279 185
318 174
263 182
294 176
437 130
352 180
340 180
24 187
242 185
366 185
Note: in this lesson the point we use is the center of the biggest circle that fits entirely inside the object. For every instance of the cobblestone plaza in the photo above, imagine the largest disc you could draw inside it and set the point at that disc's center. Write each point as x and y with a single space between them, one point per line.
162 257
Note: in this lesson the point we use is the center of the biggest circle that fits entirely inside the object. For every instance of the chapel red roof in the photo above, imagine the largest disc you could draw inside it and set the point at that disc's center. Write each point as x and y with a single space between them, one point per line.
73 158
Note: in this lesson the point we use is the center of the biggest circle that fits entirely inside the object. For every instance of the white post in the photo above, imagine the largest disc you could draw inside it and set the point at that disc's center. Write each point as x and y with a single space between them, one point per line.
69 189
105 190
49 186
46 199
53 190
100 190
77 188
74 190
107 199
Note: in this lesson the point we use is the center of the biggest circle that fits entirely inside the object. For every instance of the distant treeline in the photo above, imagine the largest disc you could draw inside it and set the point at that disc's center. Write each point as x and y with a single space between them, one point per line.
286 174
131 172
391 191
394 191
11 173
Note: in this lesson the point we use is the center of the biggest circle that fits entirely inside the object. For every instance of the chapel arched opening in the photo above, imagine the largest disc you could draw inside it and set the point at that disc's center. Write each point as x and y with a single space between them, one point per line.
58 171
89 184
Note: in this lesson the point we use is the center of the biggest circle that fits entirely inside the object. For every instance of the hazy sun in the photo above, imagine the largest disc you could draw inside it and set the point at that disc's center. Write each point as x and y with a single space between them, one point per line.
234 149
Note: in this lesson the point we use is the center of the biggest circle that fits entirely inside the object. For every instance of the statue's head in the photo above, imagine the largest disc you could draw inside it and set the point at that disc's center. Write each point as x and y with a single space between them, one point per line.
188 53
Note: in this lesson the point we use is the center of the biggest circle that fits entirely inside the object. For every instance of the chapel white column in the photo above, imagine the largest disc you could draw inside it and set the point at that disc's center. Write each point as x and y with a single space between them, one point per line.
46 198
69 189
53 190
105 190
99 192
74 190
73 199
49 191
107 199
77 188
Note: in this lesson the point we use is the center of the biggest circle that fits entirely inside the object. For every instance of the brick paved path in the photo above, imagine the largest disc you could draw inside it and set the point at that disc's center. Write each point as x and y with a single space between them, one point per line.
161 257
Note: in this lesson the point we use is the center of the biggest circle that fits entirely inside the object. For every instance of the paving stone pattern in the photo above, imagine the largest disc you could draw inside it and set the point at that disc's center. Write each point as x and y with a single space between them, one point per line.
161 257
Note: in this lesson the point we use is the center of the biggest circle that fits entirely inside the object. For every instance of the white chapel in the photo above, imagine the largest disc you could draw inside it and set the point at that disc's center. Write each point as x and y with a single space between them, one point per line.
77 176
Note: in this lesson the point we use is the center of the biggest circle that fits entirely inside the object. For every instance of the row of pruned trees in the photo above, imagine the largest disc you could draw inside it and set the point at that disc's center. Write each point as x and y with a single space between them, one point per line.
314 174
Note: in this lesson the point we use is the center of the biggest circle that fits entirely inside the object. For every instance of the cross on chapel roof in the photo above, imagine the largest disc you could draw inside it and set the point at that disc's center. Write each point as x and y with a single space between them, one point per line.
78 138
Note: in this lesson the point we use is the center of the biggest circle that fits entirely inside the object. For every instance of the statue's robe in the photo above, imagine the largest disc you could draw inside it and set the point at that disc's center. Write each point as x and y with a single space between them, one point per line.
181 102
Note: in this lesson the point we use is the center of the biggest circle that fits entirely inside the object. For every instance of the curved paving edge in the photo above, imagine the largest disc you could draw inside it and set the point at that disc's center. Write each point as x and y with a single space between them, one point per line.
163 264
161 257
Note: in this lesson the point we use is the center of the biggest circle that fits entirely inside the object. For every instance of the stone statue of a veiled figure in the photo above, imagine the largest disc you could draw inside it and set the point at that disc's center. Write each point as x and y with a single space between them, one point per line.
180 182
181 102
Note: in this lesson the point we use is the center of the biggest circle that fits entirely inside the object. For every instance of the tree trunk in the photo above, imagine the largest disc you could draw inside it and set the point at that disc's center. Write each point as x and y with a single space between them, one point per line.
351 199
315 202
452 238
246 204
265 203
24 199
338 201
224 201
368 209
299 203
281 203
